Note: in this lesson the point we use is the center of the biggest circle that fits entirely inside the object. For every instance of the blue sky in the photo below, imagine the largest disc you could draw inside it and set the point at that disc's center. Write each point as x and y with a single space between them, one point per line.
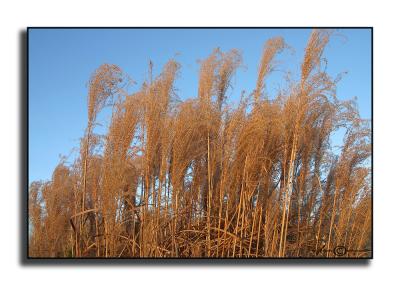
62 60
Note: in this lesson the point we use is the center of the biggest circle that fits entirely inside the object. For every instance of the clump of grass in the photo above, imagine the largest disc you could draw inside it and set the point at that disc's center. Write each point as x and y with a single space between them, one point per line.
201 178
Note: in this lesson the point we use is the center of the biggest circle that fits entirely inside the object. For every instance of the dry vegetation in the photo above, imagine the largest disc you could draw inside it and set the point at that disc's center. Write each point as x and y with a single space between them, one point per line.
200 178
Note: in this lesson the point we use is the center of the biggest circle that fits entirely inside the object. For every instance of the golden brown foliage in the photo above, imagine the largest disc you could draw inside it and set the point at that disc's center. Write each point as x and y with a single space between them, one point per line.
193 179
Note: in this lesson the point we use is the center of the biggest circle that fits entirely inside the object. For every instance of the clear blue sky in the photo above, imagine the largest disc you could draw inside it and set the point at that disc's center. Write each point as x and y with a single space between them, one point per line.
62 60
